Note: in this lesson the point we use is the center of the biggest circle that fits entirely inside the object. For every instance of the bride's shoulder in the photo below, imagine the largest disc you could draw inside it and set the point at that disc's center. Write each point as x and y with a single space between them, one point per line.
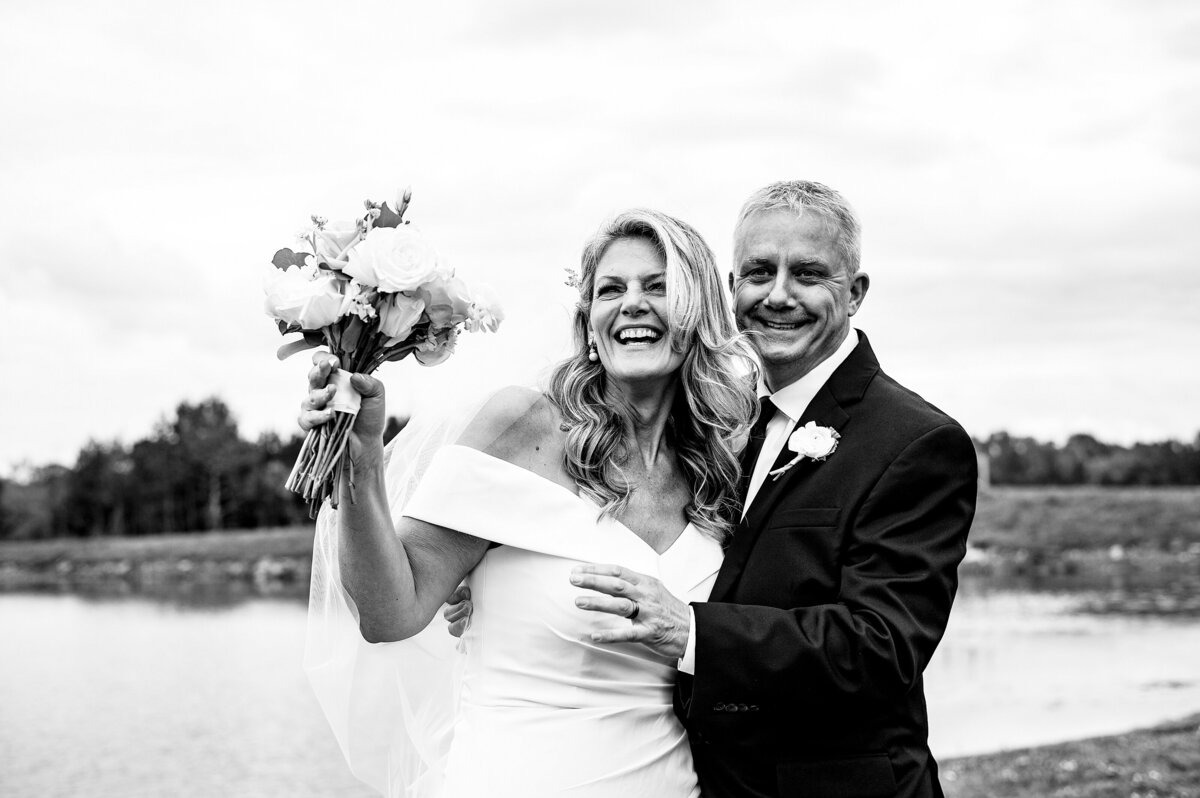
512 422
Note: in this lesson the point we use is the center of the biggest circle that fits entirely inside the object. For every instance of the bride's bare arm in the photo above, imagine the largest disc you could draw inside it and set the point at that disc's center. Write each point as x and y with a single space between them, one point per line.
397 577
400 579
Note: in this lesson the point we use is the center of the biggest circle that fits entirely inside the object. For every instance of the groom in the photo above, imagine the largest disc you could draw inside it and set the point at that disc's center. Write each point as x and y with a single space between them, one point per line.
801 676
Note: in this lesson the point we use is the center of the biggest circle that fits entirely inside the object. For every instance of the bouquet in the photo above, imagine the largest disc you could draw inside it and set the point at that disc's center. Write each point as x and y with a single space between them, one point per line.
373 290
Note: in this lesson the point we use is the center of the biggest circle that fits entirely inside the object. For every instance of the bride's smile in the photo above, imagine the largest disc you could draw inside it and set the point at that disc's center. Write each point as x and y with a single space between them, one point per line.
629 314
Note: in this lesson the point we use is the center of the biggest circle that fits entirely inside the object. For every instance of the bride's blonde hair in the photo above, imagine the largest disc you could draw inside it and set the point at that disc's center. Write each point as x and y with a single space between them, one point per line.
715 402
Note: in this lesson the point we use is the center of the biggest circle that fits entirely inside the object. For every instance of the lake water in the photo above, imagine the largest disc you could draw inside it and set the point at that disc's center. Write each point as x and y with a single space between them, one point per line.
138 697
1019 668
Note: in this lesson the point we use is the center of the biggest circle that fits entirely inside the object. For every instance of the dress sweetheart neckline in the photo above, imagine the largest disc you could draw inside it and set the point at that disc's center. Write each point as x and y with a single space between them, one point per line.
689 526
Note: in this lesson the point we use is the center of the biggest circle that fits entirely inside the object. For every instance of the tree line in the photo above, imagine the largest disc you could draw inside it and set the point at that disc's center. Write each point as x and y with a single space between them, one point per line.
195 472
1084 460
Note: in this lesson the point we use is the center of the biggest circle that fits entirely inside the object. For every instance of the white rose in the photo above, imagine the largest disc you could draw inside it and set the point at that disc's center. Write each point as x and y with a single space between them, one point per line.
393 258
485 313
323 307
302 295
332 239
398 314
447 301
813 442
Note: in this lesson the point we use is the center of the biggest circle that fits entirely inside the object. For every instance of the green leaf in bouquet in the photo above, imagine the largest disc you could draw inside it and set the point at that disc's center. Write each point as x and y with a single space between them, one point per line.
351 334
289 349
392 215
287 327
399 353
285 257
388 217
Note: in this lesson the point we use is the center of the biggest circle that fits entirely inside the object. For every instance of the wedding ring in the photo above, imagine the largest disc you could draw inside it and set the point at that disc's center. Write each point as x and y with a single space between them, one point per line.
636 609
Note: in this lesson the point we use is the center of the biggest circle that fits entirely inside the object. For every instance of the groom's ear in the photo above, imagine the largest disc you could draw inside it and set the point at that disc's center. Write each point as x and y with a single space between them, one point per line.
859 284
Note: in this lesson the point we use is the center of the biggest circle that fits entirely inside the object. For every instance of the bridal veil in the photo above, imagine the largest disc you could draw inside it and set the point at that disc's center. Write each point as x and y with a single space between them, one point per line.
391 705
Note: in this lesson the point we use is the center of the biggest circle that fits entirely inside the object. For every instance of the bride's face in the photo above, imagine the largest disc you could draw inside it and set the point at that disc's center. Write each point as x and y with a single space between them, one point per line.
629 313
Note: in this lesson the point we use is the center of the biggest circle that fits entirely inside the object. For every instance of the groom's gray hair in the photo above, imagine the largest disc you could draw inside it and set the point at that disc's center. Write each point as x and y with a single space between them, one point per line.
801 196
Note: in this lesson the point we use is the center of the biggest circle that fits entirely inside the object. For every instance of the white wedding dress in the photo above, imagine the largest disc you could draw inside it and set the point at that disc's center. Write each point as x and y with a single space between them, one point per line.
526 705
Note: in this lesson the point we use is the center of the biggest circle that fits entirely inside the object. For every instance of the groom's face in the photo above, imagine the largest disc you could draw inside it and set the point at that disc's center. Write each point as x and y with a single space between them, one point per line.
792 291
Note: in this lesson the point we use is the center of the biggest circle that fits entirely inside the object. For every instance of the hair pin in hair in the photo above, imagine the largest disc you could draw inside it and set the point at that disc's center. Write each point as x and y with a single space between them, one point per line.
572 280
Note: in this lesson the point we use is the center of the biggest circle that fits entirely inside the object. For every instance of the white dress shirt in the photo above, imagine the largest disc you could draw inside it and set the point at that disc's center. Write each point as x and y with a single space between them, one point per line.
791 401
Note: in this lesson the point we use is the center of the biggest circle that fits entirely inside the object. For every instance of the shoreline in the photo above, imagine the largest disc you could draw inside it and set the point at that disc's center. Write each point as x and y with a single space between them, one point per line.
264 561
1073 537
1161 761
1133 580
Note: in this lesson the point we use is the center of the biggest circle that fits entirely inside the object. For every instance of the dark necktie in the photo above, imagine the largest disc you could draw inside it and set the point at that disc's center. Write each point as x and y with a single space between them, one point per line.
758 434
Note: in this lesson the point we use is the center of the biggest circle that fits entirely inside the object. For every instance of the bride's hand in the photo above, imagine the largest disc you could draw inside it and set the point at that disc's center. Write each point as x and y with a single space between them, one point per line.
372 415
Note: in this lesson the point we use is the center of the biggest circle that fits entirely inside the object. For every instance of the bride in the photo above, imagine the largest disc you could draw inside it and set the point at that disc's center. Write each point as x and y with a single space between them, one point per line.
627 457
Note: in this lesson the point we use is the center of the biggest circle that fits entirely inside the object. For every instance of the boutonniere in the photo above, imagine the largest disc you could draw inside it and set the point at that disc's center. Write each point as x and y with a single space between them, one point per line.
811 441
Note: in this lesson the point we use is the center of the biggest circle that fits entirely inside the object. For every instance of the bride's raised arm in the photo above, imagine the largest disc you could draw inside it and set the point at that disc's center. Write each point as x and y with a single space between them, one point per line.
397 572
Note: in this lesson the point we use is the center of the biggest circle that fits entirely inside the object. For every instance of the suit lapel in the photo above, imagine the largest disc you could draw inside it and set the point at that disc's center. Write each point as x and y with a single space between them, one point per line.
844 388
826 412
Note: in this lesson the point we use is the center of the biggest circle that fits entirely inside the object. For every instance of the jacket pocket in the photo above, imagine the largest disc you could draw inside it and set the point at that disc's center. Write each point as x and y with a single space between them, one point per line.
868 776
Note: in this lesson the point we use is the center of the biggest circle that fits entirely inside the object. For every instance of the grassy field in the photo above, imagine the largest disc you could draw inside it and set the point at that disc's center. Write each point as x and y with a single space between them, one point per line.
1068 529
1163 762
241 545
1055 519
1008 519
1058 519
270 559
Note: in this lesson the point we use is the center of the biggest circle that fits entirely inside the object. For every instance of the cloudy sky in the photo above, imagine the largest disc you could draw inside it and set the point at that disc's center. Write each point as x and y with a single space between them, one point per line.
1028 175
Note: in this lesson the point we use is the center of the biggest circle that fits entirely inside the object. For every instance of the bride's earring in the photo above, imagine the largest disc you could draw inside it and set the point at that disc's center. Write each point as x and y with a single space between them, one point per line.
593 356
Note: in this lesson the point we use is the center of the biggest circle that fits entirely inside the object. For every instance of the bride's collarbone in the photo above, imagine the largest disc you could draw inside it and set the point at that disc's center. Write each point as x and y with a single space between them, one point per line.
658 497
656 514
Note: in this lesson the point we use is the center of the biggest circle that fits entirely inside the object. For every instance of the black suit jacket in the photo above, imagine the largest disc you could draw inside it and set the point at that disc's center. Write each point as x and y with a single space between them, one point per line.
833 596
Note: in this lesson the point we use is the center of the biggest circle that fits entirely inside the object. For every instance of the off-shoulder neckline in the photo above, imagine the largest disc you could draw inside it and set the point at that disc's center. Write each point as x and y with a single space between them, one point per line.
687 527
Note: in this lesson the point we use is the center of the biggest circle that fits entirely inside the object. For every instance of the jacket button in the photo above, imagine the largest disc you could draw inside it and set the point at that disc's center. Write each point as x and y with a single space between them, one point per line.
719 708
754 707
743 708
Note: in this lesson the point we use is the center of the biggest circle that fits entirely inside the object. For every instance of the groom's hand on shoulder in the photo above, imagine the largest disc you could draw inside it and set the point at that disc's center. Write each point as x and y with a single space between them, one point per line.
657 618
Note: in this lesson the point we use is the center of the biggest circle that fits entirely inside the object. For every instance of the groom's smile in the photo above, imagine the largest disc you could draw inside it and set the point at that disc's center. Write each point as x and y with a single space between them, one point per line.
780 325
792 291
